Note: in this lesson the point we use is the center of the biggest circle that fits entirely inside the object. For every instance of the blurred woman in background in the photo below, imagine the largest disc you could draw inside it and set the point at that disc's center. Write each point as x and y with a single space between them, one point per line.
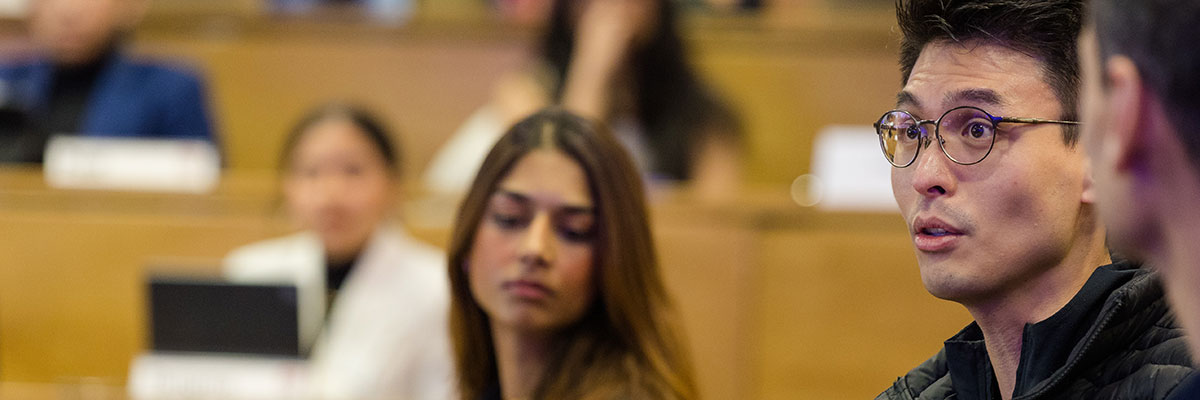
373 300
555 285
621 62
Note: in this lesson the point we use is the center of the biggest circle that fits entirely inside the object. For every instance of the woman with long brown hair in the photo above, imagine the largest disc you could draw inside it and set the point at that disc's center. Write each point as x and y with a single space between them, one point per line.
555 285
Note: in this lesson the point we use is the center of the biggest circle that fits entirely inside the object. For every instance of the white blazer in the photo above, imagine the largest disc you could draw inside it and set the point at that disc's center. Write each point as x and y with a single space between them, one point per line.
388 333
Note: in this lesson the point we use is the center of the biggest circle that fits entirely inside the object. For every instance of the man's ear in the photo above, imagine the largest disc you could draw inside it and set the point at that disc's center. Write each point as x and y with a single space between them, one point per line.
1126 112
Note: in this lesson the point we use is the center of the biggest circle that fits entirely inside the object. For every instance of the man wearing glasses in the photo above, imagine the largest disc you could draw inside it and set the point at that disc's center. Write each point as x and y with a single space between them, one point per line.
998 201
1141 103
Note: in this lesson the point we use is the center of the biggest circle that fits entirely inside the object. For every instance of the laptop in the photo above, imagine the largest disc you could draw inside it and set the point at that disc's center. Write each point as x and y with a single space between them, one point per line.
205 315
22 138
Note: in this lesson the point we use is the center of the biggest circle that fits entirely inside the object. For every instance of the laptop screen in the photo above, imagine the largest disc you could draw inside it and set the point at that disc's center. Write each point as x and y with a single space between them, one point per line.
22 138
213 316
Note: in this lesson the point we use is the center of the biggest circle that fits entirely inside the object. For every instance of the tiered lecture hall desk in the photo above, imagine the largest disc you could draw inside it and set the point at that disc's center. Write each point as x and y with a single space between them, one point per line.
778 301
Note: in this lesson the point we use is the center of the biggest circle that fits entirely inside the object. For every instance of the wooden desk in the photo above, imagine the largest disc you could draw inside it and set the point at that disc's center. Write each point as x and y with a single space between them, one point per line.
778 302
77 390
787 77
71 280
783 302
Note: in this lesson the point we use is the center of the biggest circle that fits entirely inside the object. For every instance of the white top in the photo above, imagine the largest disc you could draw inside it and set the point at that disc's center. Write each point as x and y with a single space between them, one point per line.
453 168
388 333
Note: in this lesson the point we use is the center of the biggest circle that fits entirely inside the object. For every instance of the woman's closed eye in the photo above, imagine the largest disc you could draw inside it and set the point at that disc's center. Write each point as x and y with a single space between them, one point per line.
509 220
509 211
574 235
577 227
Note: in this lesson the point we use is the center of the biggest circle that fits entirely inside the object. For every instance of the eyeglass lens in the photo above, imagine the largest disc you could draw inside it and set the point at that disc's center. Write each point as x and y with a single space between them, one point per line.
966 135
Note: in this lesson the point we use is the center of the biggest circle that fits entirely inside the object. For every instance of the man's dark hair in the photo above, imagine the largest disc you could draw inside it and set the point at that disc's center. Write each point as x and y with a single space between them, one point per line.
1160 36
1043 29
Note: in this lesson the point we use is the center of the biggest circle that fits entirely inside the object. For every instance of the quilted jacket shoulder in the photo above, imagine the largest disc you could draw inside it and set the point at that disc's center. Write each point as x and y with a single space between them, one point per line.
1135 350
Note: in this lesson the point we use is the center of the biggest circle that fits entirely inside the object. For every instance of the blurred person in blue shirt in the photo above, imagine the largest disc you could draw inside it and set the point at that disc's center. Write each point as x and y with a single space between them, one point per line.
80 81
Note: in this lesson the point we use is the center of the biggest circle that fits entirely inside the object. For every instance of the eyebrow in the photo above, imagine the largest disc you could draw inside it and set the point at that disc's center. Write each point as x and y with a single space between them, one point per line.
904 97
977 96
566 209
954 99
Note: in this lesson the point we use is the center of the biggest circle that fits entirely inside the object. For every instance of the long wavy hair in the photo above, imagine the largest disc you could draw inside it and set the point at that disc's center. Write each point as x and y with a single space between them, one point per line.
626 345
674 106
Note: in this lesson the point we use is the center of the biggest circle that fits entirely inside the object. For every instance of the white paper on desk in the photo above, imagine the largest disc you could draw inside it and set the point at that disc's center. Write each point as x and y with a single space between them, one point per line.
224 377
156 165
14 8
849 172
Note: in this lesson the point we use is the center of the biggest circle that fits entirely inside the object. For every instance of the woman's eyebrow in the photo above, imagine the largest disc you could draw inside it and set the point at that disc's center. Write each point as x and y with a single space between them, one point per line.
577 210
514 196
523 199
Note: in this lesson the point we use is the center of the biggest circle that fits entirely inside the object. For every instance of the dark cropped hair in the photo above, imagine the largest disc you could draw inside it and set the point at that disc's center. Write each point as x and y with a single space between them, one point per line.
1160 36
371 127
1043 29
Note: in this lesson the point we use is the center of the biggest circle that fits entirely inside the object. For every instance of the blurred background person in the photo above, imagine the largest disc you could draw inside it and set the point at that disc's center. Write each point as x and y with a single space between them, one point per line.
82 82
1139 103
546 304
624 63
373 300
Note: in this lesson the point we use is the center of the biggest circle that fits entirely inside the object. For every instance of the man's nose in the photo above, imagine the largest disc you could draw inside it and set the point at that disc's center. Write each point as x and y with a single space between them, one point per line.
933 173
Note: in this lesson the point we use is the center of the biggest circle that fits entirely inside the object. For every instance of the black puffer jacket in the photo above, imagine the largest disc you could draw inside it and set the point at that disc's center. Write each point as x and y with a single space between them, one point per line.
1117 339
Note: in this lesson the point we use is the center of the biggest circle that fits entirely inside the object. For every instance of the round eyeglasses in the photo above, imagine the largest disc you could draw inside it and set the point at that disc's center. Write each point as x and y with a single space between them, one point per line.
965 134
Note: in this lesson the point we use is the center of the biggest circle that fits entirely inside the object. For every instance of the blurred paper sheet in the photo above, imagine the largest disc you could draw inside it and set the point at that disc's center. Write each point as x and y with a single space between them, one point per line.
849 172
185 376
156 165
14 8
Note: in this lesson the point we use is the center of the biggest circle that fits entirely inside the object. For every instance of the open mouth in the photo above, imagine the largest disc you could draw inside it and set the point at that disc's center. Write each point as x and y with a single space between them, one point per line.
935 235
938 232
